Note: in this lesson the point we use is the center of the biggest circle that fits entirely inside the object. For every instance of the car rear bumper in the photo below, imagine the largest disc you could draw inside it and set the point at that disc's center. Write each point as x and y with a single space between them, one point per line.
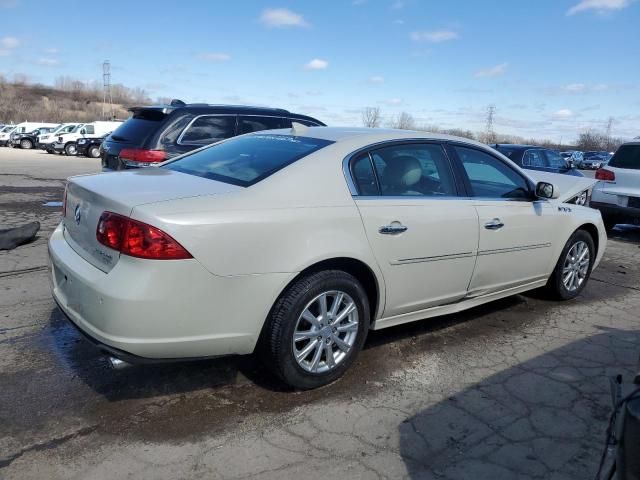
628 214
160 310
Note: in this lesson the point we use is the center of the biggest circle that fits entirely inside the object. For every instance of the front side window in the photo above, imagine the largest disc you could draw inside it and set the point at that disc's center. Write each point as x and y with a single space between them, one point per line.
246 160
209 129
89 130
491 178
250 124
414 170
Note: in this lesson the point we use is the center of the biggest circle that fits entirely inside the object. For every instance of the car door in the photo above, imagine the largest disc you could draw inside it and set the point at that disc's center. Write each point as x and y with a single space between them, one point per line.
424 236
516 230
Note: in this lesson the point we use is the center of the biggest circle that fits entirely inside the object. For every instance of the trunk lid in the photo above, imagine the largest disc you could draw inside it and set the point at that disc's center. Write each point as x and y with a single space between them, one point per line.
88 196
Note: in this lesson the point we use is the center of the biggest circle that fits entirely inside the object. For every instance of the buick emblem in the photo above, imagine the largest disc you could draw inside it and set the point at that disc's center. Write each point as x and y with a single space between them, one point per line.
77 215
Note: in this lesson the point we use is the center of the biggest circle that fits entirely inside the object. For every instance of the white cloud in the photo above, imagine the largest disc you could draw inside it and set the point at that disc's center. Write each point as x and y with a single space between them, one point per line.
562 114
584 88
600 6
214 57
282 17
436 36
491 72
317 64
376 80
7 45
48 62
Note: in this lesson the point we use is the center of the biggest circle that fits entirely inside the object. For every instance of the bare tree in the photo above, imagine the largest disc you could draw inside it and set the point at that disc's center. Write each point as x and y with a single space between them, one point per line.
371 117
404 121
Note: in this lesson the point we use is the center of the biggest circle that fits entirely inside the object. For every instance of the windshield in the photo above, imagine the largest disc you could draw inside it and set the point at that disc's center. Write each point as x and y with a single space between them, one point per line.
77 128
627 156
7 129
246 160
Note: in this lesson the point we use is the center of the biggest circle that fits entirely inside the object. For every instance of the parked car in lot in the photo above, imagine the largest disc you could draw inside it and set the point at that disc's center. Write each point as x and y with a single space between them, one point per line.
44 141
617 194
296 242
5 134
26 127
157 133
594 160
90 146
573 157
28 140
541 159
67 143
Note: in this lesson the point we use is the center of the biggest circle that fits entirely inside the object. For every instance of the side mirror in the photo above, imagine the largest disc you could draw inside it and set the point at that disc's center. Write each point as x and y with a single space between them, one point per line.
546 190
83 131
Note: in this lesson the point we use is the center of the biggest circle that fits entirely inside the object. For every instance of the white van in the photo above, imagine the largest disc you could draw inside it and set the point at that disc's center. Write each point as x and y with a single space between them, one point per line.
43 141
5 134
66 143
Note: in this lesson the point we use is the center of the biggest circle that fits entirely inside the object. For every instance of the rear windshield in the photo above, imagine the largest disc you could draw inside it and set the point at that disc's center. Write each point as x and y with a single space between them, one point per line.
627 156
248 159
137 128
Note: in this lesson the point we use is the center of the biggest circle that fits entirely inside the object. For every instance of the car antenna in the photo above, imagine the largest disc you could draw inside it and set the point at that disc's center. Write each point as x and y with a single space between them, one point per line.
298 128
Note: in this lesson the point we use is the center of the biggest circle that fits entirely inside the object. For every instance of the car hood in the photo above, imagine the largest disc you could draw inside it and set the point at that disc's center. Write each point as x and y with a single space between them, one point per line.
568 185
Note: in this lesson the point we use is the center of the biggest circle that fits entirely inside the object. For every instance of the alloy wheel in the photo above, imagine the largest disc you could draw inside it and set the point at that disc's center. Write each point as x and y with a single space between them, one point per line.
576 266
325 331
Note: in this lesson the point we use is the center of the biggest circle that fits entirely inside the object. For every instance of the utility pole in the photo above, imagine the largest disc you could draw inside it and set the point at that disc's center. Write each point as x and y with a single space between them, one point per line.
106 90
491 135
608 133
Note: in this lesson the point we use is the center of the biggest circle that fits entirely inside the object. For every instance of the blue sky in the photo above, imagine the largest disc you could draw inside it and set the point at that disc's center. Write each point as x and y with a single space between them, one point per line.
552 68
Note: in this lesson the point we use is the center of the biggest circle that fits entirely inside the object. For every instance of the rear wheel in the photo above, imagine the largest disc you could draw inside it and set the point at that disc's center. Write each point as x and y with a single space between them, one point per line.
26 144
316 329
70 149
94 152
573 268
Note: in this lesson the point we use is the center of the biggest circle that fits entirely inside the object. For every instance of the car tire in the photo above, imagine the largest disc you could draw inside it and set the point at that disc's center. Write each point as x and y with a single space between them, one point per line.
328 353
70 149
26 144
94 152
571 273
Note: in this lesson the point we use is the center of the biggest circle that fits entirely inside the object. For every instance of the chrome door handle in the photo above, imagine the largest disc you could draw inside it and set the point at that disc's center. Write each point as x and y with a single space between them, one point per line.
393 229
495 224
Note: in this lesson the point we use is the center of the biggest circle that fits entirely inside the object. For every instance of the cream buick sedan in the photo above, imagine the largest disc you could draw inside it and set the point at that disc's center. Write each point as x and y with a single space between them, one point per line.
294 243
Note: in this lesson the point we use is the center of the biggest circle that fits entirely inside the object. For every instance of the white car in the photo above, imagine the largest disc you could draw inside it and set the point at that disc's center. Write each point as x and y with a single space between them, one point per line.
45 141
617 194
67 143
299 241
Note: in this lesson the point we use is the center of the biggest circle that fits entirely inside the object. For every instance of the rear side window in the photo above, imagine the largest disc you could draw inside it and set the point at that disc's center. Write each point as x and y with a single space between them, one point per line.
627 156
246 160
139 127
250 124
363 176
209 129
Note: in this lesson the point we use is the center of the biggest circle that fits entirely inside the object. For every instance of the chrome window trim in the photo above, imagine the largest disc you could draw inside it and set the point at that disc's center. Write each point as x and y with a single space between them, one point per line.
179 140
276 116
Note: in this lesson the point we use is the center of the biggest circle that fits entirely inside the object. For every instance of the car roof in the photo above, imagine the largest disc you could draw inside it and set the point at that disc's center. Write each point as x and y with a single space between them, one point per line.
518 146
365 135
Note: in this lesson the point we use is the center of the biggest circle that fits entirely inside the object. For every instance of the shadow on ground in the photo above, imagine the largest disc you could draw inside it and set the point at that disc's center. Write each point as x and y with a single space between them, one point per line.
544 418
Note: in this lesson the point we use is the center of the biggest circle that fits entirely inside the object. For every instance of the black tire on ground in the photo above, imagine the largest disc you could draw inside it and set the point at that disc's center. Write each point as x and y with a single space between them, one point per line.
555 287
277 338
26 144
94 152
70 148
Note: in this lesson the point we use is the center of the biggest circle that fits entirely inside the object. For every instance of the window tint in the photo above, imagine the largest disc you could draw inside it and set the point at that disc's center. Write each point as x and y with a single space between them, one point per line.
209 129
554 160
246 160
253 124
89 130
627 156
173 128
363 176
414 170
306 123
533 158
489 177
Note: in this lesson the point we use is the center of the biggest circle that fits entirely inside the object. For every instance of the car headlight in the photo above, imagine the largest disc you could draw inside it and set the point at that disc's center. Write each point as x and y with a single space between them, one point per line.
581 199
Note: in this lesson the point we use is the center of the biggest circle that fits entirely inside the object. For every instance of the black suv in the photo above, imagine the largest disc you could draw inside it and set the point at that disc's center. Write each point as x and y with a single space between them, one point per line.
531 157
154 134
29 140
89 146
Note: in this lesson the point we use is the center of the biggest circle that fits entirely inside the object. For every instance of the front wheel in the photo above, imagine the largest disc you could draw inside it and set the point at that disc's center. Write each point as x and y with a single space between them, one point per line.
26 144
94 152
316 329
573 268
70 149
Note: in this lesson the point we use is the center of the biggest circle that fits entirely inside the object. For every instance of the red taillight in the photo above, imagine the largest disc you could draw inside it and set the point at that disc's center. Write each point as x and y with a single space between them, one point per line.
141 155
137 239
604 174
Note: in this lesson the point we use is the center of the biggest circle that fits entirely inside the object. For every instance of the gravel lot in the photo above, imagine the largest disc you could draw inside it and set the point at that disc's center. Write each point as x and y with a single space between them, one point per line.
514 389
